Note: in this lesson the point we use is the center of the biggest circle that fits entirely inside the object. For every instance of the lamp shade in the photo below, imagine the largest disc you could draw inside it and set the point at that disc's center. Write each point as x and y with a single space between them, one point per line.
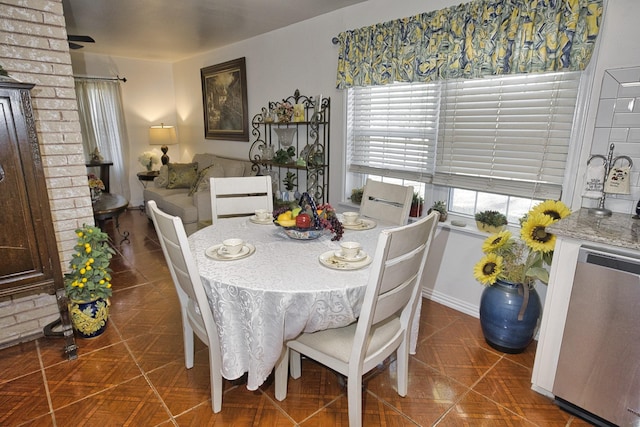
162 135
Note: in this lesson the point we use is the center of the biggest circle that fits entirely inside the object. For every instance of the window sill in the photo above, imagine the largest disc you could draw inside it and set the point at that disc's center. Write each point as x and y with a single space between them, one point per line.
470 227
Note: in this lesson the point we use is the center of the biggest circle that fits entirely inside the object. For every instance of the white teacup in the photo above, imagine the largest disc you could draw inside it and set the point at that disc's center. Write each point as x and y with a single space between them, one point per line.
350 218
262 214
231 246
350 250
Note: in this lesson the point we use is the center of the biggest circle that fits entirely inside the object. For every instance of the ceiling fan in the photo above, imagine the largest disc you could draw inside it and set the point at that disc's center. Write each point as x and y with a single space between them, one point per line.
81 39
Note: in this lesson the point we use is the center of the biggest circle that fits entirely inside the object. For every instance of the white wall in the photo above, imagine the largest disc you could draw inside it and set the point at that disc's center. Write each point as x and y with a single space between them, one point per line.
302 56
619 48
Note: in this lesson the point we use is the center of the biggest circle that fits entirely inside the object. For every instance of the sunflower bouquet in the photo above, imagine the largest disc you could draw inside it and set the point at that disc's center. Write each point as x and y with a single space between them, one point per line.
522 261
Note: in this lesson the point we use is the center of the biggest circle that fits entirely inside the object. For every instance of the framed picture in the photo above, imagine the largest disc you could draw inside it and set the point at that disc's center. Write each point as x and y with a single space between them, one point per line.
224 99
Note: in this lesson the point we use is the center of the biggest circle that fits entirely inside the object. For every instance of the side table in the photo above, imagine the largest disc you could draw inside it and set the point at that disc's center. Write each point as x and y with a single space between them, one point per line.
110 206
146 176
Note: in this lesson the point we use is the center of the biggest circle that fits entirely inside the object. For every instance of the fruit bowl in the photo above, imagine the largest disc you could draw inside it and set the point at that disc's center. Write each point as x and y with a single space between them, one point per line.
308 221
302 233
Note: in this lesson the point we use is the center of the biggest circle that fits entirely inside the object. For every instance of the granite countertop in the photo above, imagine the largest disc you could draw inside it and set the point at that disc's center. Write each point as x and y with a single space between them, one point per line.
616 230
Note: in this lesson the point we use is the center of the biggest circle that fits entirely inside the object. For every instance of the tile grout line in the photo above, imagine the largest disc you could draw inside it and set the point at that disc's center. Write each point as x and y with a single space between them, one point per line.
46 384
146 378
277 405
469 390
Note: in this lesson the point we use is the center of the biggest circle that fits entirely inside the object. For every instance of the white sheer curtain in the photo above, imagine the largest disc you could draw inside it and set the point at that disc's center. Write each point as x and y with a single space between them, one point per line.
103 126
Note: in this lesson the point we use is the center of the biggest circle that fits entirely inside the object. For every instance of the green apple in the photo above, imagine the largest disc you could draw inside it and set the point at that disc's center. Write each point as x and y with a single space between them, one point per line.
295 211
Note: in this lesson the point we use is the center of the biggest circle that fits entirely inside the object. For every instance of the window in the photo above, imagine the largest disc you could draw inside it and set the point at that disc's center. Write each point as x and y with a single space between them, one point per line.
498 141
391 130
468 202
507 135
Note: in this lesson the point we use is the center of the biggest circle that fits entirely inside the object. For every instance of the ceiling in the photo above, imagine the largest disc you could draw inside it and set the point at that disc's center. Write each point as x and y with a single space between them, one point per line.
170 30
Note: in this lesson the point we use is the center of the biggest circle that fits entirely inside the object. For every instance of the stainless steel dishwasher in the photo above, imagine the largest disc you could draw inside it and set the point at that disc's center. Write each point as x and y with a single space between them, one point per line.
598 375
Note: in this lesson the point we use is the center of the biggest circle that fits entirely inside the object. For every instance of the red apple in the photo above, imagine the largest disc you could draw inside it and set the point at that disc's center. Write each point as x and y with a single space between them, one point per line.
303 220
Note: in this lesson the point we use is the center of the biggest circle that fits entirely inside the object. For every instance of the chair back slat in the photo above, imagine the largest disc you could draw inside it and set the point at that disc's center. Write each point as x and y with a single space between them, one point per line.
386 202
240 196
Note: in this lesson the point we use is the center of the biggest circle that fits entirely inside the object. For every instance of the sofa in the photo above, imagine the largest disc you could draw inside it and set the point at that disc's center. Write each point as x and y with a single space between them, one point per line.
182 189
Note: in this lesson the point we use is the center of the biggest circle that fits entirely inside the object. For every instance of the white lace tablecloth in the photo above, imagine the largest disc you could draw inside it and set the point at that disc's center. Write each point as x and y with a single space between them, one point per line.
275 294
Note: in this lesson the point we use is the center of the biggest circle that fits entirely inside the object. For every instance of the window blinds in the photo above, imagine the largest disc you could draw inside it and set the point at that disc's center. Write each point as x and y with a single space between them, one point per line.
507 135
391 130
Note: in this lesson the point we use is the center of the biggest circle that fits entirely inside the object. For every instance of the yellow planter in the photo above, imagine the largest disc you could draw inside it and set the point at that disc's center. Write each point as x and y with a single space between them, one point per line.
491 229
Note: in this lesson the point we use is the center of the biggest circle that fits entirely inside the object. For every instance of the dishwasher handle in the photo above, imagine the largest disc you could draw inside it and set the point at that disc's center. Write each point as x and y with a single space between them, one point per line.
613 260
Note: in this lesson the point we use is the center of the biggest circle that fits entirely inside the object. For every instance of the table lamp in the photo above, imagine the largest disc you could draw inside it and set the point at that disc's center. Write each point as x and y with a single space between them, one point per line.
165 136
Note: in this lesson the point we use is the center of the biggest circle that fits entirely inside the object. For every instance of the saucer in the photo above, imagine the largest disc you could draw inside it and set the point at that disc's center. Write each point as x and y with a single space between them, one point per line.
328 259
360 224
214 252
255 220
359 257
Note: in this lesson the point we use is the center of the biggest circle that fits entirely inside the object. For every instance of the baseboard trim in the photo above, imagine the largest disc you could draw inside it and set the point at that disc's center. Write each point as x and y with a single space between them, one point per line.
454 303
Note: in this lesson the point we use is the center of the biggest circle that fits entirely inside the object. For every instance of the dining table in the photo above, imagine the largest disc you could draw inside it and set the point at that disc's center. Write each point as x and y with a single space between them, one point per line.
277 289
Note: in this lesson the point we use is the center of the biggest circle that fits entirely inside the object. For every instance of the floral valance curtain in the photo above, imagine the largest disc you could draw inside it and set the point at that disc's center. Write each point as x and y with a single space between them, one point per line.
470 40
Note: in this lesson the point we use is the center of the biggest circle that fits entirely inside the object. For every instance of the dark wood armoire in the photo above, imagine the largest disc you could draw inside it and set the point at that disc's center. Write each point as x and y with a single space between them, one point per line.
29 260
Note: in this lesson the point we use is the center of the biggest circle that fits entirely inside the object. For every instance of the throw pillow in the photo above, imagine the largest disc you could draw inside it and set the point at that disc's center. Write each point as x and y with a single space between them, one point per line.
202 181
182 175
162 179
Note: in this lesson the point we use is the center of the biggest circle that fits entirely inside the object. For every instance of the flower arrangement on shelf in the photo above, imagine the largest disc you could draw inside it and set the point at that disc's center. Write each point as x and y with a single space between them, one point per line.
90 276
96 186
305 219
284 110
95 182
522 261
148 159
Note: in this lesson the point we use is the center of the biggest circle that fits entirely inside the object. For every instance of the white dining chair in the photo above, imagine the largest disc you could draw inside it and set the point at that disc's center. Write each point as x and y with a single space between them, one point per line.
384 325
387 202
196 314
238 196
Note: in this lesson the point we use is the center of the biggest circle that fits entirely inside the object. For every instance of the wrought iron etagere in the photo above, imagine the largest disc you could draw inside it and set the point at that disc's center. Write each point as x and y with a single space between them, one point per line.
310 163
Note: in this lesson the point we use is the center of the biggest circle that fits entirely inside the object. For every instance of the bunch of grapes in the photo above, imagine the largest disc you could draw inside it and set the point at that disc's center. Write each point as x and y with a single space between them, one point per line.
329 221
280 210
332 224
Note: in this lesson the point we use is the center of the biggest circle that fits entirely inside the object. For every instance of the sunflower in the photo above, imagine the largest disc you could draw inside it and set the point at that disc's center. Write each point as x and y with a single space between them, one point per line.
496 241
535 235
555 209
486 270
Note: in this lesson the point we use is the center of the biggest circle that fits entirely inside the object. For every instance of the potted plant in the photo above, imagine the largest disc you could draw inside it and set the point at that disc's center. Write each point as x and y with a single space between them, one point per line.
510 306
283 157
356 195
490 221
416 205
88 285
289 182
441 207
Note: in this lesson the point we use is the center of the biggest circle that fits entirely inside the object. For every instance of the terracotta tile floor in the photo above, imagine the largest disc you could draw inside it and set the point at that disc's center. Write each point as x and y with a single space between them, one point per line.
134 373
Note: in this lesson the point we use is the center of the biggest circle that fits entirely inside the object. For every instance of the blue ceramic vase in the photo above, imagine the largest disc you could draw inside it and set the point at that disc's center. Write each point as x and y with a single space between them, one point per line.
89 318
500 306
